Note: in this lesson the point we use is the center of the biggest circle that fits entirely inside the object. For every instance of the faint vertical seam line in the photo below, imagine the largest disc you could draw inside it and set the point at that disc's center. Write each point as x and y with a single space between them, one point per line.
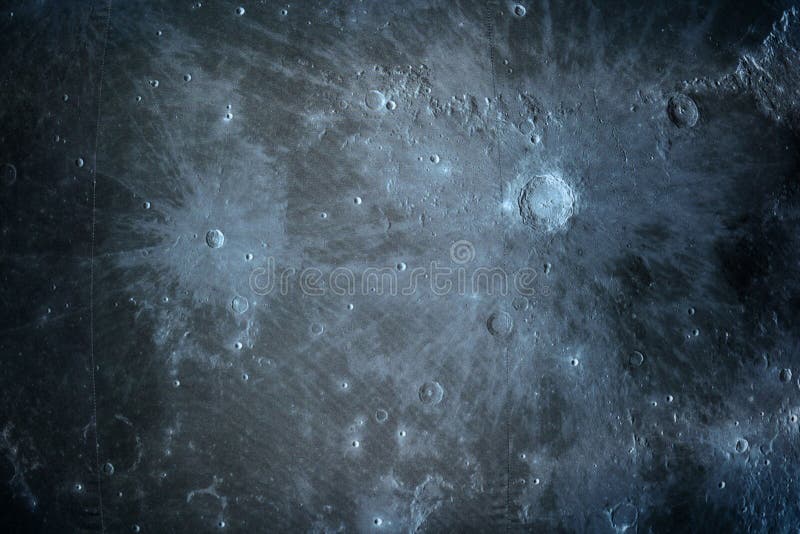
490 35
91 270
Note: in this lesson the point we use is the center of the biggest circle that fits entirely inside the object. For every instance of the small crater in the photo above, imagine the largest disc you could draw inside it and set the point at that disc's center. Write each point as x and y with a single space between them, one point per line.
682 111
215 238
624 516
742 445
8 174
316 329
239 304
375 100
636 358
431 393
500 324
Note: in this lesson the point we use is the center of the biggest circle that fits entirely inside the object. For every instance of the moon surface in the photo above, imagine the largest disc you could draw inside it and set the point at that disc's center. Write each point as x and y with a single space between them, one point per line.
361 266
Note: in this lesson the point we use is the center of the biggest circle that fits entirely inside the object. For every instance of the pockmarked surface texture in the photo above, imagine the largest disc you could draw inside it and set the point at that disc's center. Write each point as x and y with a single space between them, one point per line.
399 266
